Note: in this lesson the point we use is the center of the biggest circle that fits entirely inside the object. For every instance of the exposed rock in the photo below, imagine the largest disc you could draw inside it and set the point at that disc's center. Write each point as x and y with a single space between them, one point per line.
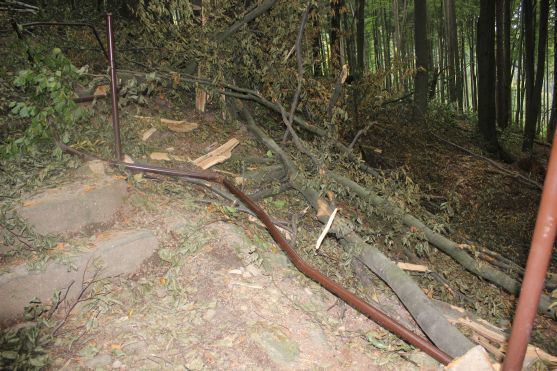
119 253
276 343
100 360
70 208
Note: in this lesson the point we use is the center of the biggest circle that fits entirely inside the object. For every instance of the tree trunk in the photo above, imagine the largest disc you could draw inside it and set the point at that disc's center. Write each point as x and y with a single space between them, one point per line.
553 117
507 67
387 49
501 65
473 76
422 55
334 35
455 80
486 74
360 33
534 87
316 49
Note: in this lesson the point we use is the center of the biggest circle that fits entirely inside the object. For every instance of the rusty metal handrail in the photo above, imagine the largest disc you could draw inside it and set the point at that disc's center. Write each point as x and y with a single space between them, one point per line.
64 24
536 268
351 299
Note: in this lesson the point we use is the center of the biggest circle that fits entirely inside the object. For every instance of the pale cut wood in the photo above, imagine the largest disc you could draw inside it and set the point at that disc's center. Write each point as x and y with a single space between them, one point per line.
147 134
412 267
492 338
217 155
160 156
181 126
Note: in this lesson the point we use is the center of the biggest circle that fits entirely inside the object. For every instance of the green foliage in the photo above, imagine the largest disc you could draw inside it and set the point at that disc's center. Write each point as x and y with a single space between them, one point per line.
23 348
16 234
50 106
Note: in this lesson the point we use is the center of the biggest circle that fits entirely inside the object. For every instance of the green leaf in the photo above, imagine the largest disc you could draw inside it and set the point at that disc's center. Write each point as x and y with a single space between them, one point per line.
166 255
269 154
8 354
231 210
279 204
371 338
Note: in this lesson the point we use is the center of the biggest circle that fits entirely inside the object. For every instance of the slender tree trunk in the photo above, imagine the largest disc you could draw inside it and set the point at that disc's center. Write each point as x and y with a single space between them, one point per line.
473 76
316 48
387 49
486 74
534 87
455 80
464 70
553 116
500 60
422 54
334 35
360 34
520 74
350 46
507 64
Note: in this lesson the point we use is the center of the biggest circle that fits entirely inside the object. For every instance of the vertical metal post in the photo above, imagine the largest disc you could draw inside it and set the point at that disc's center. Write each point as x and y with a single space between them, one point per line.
113 88
536 268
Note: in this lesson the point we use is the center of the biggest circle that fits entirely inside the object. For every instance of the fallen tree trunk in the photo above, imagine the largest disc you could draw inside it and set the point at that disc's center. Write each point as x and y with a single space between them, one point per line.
432 323
449 247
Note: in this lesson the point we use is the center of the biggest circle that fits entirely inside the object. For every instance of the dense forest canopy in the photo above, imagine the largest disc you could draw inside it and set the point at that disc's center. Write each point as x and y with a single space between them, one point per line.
487 59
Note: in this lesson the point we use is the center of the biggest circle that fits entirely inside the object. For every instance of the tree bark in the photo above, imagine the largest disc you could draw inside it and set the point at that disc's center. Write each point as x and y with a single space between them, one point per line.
422 55
534 87
360 34
486 74
334 35
502 118
455 80
553 117
440 331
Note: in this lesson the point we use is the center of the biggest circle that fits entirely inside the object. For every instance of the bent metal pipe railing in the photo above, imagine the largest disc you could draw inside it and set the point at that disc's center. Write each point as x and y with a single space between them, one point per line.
536 268
62 24
353 300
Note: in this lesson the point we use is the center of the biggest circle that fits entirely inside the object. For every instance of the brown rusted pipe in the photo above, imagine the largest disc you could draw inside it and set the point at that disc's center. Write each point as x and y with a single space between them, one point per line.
113 88
536 268
69 24
353 300
356 302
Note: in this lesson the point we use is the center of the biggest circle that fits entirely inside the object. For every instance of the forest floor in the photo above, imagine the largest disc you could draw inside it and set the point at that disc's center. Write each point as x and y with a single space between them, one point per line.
219 294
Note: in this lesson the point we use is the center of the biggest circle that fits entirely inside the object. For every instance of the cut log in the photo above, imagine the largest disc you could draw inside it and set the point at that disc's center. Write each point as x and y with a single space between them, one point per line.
181 126
412 267
217 156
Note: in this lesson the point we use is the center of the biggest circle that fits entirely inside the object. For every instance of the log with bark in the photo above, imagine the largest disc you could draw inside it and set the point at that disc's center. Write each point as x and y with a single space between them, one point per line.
432 323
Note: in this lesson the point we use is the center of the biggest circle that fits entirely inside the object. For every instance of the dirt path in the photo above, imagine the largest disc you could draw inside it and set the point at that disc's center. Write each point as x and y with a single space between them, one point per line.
214 298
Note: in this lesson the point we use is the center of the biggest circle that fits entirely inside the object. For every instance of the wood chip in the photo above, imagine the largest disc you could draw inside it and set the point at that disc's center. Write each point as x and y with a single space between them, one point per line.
160 156
412 267
143 117
147 134
128 159
101 90
182 126
217 156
